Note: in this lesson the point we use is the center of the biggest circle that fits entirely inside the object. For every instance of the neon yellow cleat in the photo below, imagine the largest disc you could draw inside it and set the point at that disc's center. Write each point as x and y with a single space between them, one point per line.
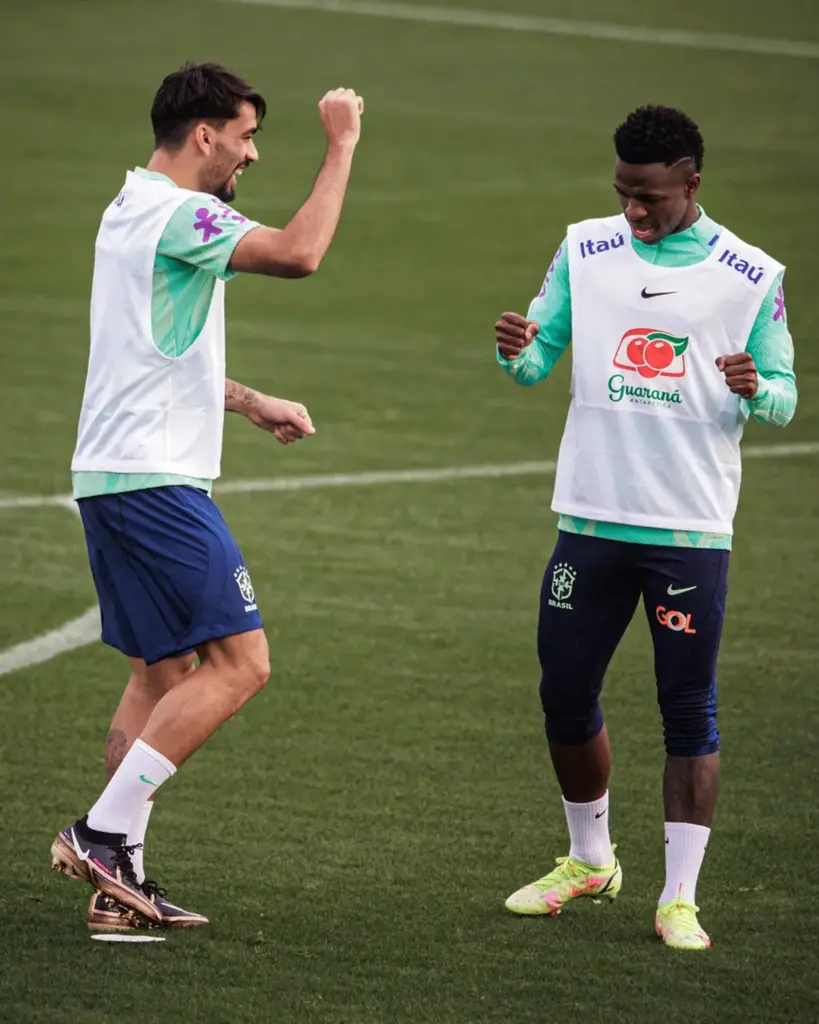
570 879
677 925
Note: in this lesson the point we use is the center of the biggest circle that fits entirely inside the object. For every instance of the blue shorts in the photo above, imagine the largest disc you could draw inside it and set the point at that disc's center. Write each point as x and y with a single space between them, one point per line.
168 573
590 592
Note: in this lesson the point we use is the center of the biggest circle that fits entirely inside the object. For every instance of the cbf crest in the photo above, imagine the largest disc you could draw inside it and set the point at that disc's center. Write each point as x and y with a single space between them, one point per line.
243 582
563 579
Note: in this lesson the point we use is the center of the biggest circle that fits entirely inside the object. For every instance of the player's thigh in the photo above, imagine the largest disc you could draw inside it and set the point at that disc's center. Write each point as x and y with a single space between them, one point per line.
164 675
590 591
685 592
243 654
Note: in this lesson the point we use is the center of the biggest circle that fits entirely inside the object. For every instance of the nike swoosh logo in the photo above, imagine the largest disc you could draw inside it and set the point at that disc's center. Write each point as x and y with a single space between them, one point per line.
144 778
600 815
673 591
81 853
654 295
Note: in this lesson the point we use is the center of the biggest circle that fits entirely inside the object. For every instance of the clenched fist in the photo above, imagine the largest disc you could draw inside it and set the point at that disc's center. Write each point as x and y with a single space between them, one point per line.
740 373
513 333
288 421
340 111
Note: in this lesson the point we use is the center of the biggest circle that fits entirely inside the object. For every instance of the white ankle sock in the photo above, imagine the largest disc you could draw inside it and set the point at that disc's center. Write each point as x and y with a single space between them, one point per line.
684 850
136 837
589 831
142 772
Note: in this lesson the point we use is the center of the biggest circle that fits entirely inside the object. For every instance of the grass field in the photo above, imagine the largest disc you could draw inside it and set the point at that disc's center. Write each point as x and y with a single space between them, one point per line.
354 831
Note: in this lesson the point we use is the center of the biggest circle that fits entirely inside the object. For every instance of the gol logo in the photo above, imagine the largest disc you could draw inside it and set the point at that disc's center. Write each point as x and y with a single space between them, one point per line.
651 353
679 622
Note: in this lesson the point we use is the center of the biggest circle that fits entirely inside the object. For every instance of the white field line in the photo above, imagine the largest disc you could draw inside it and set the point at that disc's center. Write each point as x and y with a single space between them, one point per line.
86 628
77 633
397 476
462 16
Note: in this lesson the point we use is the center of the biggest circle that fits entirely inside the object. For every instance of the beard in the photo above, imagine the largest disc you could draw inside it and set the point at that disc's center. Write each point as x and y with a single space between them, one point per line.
224 192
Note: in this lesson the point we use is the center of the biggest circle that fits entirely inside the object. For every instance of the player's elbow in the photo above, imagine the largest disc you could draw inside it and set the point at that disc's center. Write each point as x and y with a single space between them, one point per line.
303 264
275 254
292 265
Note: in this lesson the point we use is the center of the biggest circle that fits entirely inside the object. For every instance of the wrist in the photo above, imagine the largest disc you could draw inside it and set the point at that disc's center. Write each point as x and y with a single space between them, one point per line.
342 148
761 389
239 398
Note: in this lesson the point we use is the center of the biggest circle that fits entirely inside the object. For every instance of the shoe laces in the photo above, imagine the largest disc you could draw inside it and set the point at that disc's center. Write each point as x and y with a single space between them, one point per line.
150 888
678 906
566 868
122 859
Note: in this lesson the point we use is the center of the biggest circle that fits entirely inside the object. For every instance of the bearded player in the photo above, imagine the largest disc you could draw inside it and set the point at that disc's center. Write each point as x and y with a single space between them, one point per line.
171 581
678 335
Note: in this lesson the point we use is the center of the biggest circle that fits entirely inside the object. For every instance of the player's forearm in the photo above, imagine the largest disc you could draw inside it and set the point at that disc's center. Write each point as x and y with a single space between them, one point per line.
239 398
298 249
310 232
775 401
536 361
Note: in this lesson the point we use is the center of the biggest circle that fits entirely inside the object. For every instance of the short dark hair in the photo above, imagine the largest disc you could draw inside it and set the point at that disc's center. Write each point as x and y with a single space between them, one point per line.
659 135
199 92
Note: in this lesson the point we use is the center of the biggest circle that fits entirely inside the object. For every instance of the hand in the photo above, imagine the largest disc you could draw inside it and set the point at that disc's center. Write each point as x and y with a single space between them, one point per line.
287 421
740 373
340 111
513 333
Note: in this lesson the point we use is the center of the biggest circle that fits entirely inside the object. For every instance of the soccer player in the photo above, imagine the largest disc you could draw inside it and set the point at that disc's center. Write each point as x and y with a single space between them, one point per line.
678 335
171 581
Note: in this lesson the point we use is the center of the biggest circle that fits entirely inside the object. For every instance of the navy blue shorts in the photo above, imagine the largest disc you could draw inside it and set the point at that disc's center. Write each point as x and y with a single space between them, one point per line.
168 573
590 593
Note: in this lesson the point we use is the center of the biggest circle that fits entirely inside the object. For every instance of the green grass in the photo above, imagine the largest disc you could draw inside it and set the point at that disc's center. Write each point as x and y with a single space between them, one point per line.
354 831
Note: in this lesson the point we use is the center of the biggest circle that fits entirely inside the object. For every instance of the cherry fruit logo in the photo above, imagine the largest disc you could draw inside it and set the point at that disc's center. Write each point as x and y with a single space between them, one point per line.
651 353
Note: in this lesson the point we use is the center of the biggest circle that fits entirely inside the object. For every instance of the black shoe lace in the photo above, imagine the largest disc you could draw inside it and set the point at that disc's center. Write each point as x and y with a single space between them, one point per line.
150 888
122 859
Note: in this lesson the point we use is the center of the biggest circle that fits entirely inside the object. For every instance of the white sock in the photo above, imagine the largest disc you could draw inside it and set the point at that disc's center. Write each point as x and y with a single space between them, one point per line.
136 837
684 849
589 831
142 772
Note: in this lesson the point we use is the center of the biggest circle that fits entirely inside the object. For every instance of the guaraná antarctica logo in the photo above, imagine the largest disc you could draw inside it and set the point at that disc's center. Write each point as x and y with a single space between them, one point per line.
649 354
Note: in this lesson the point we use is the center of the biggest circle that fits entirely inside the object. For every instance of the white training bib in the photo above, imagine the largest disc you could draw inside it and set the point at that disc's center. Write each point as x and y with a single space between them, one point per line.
652 436
142 411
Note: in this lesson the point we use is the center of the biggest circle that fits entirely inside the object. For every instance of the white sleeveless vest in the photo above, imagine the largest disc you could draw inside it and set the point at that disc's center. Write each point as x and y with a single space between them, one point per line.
142 411
652 436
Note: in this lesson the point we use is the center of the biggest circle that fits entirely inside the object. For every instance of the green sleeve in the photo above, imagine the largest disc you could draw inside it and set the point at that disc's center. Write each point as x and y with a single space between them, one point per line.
203 232
771 346
552 309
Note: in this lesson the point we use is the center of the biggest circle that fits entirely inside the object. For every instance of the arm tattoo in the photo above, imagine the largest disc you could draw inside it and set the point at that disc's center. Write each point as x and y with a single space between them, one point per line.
116 747
239 398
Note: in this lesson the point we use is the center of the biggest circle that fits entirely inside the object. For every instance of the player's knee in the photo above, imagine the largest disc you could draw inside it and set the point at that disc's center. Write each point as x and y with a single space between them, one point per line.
573 716
242 662
257 672
690 724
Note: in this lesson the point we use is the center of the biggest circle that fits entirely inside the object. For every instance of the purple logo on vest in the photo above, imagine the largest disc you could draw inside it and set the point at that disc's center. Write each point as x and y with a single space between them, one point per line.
754 274
779 303
228 213
591 248
205 224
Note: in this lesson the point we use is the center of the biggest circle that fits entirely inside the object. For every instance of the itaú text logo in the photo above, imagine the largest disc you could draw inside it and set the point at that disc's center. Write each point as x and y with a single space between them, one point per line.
651 353
677 622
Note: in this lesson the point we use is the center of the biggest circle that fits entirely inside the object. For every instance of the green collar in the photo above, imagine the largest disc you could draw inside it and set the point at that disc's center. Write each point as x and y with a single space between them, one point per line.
154 176
701 235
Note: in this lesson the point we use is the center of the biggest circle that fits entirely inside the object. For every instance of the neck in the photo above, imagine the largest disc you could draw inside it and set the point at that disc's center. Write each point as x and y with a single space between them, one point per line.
692 215
175 167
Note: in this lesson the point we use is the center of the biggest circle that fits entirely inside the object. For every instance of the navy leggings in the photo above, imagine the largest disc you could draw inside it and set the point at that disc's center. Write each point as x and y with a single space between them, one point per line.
590 593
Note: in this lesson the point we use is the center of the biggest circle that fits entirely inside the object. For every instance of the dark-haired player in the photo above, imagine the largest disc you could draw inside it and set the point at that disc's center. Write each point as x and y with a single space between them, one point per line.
678 335
171 581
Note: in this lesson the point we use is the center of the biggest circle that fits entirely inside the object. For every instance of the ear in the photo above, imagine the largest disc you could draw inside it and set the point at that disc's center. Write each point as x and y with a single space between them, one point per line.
692 184
203 137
